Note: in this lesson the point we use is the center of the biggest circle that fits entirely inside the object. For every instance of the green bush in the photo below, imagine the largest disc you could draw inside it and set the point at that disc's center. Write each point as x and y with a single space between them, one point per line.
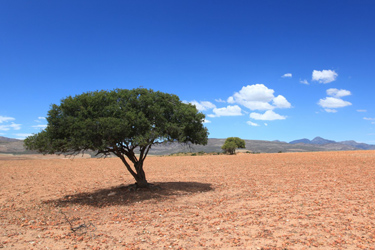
231 144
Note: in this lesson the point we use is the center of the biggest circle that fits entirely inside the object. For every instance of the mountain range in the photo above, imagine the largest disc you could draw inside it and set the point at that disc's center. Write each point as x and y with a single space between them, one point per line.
329 143
14 146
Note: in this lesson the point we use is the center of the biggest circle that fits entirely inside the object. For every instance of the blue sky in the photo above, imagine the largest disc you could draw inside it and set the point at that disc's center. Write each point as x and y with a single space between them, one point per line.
264 70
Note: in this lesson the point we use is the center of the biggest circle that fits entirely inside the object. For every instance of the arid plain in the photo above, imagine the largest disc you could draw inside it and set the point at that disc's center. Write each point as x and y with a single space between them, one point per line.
320 200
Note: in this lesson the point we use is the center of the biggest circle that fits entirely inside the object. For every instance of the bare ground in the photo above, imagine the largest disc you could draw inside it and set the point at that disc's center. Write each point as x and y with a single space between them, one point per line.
320 200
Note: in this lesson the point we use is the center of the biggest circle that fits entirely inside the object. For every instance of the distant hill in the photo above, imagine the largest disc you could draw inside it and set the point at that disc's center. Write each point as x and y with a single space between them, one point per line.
317 140
321 141
5 139
259 146
214 145
359 145
14 146
333 145
11 146
304 140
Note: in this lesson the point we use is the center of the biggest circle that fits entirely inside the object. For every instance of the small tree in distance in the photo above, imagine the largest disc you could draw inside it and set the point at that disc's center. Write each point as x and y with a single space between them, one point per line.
231 144
122 122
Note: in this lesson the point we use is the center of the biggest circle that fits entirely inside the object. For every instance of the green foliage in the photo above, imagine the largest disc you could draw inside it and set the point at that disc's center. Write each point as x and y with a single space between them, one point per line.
119 122
231 144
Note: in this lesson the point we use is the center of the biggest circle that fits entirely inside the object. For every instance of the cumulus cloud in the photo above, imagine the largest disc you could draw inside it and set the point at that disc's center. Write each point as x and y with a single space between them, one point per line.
226 111
287 75
269 115
258 97
324 76
333 102
6 119
203 105
281 102
338 92
206 121
304 82
252 124
231 99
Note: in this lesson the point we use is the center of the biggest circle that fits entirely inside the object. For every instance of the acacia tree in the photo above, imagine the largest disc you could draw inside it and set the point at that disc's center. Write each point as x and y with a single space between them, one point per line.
232 143
122 122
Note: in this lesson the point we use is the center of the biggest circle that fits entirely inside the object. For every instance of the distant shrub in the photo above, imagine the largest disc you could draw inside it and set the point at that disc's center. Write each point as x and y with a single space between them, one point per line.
231 144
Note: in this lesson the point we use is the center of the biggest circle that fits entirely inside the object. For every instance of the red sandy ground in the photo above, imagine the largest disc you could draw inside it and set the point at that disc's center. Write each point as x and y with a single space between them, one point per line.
249 201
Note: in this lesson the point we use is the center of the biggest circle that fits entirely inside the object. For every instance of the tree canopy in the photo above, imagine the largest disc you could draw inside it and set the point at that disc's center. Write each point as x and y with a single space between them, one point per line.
119 122
231 144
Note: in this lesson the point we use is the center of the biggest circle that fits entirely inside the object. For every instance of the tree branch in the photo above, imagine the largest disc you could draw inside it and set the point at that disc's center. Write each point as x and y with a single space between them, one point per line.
121 156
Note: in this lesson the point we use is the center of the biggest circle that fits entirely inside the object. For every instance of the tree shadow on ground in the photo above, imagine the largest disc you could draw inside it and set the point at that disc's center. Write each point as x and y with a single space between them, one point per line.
125 195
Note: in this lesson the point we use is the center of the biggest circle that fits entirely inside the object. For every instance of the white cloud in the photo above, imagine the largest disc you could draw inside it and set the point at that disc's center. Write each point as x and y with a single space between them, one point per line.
369 119
255 105
7 127
226 111
40 118
206 121
361 110
6 119
338 92
220 100
22 136
252 124
208 105
254 93
230 99
287 75
324 76
11 126
269 115
333 102
265 124
304 81
330 110
40 126
203 105
281 102
258 97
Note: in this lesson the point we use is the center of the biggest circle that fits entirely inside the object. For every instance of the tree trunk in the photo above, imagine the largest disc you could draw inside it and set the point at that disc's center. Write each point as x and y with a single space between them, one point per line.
140 176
